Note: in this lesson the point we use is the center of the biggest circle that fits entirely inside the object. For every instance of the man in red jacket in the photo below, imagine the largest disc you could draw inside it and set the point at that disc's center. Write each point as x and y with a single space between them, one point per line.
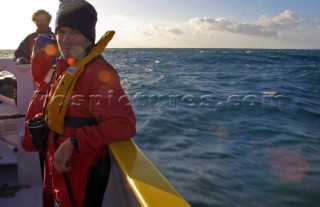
98 113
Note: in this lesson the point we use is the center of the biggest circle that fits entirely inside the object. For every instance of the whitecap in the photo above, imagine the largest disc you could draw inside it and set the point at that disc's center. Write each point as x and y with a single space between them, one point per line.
148 70
269 93
125 82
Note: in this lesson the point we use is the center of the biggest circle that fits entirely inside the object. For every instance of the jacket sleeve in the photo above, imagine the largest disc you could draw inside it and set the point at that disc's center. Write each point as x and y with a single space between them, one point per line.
40 66
24 49
111 107
35 107
26 142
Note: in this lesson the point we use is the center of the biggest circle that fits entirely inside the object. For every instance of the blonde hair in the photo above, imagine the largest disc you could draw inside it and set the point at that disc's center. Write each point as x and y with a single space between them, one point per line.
41 11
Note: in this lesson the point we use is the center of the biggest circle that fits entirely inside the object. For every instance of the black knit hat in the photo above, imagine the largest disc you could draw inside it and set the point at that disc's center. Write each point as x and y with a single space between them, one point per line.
79 15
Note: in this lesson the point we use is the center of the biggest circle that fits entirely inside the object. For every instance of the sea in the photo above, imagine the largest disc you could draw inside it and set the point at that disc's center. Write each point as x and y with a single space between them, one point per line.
228 127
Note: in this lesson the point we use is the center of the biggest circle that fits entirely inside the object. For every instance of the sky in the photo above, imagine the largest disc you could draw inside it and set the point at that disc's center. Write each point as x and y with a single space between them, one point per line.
289 24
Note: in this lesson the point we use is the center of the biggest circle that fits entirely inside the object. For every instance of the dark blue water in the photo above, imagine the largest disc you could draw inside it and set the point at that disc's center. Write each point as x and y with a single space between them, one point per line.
229 127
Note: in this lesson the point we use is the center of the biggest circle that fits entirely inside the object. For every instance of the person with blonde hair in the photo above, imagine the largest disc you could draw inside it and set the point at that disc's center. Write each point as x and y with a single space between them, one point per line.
42 19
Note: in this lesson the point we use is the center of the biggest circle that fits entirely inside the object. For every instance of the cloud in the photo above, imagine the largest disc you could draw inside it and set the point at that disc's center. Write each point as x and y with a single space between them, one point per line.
173 30
285 20
264 26
155 30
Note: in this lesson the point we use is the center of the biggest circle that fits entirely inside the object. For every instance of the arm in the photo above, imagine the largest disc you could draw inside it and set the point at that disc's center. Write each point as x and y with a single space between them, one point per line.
111 107
34 109
41 62
41 67
24 49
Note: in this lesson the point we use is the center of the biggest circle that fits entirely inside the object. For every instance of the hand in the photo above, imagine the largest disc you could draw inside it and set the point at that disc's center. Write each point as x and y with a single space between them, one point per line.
22 60
62 157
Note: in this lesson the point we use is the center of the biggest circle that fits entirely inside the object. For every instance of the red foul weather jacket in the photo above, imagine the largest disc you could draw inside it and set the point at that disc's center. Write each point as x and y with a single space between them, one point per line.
97 94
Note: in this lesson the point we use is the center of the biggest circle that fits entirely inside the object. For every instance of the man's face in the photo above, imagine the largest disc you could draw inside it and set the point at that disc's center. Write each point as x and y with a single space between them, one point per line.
42 22
72 44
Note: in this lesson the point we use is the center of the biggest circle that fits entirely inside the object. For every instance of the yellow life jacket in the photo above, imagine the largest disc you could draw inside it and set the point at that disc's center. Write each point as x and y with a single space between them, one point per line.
58 104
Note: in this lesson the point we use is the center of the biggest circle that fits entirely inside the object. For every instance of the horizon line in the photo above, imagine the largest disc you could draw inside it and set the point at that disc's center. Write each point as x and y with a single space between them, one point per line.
240 48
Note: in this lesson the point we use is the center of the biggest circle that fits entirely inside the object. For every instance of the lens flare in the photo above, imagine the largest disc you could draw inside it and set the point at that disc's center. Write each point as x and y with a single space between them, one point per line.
105 77
71 61
288 164
222 132
50 49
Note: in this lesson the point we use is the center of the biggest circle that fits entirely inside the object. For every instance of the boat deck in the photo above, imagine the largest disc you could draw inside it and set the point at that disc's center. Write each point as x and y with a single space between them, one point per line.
26 196
11 192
